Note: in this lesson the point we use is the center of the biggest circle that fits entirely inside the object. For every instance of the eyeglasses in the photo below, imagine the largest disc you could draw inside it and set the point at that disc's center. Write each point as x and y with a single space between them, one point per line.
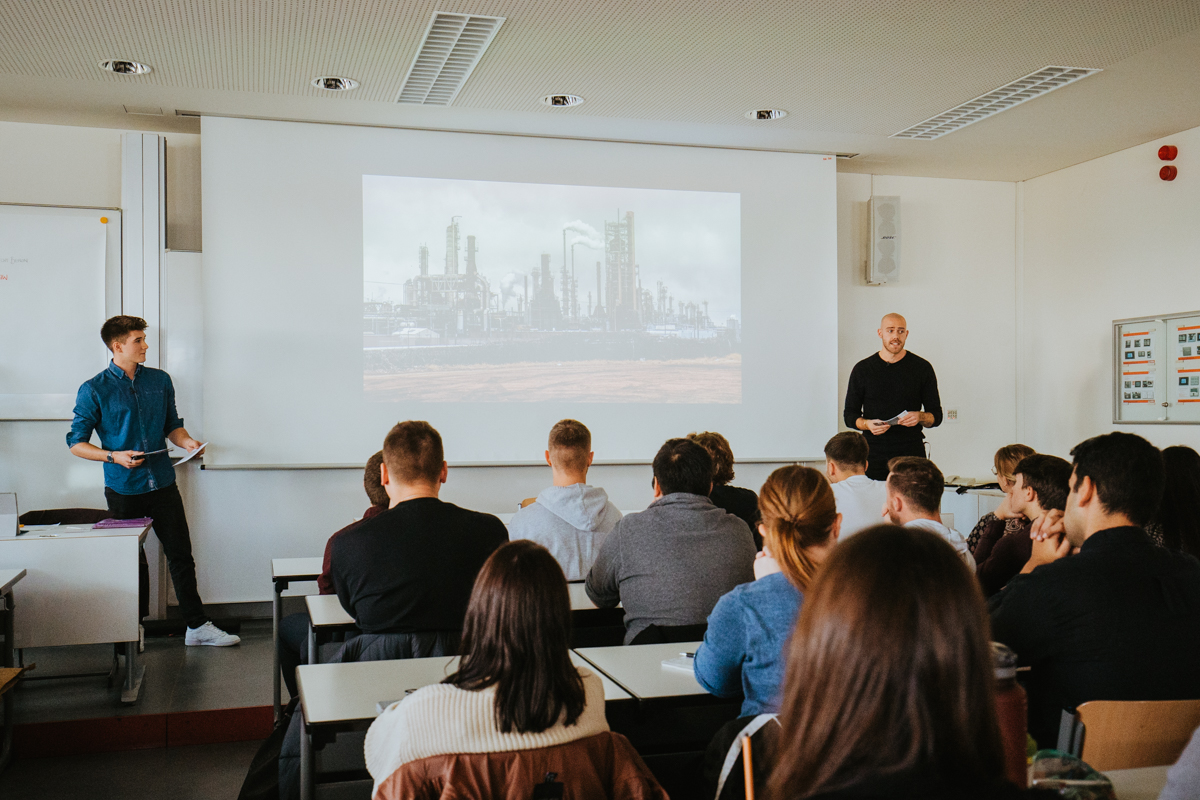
995 472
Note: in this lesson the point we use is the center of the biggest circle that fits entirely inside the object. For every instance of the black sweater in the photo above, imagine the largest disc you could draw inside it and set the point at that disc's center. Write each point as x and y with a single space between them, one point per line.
412 567
879 390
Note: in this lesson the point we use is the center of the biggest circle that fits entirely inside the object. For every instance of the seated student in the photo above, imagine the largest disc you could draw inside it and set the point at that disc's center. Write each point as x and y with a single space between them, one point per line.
914 495
742 503
742 654
1183 779
1176 525
859 499
890 690
515 710
668 565
293 629
570 519
410 569
1040 484
994 524
1120 620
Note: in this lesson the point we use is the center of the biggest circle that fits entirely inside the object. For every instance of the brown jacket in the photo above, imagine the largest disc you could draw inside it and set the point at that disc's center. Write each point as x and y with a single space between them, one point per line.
600 767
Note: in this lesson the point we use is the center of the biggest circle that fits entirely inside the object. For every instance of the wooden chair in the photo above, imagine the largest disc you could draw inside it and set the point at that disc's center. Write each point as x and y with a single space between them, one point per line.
1123 734
528 501
8 681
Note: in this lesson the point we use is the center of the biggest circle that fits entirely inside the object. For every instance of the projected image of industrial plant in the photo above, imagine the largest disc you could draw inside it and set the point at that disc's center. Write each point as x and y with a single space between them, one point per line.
479 291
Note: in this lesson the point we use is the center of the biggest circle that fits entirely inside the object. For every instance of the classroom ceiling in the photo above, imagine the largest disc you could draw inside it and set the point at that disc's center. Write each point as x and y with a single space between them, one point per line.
848 73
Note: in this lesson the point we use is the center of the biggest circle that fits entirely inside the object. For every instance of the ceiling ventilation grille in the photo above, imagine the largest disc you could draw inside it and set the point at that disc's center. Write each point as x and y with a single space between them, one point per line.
452 47
1035 84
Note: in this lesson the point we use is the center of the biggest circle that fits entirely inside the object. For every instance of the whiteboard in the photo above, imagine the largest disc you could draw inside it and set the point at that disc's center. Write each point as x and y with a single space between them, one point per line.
60 278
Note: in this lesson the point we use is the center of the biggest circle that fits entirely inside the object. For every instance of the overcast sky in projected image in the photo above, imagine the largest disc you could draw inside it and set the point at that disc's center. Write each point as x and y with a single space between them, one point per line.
691 241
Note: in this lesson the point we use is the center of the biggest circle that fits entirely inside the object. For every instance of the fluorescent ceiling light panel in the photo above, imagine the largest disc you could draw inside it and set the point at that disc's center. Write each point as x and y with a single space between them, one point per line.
1035 84
452 47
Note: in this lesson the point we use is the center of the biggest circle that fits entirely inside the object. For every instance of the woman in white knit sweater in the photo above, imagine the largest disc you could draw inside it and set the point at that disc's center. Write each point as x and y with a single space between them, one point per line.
515 691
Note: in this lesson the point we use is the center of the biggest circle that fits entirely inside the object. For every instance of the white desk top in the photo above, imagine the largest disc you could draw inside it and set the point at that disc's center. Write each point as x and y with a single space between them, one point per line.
639 669
298 569
326 609
338 693
35 532
8 577
579 599
1143 783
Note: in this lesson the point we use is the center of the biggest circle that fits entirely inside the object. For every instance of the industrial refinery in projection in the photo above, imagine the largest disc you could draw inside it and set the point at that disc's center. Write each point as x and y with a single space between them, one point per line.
576 309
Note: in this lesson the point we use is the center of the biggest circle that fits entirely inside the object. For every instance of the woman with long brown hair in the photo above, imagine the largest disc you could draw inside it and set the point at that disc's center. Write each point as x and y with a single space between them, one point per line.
890 688
515 693
743 650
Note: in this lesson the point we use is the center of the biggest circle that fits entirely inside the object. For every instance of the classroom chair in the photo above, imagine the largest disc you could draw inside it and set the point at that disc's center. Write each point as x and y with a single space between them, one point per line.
1124 734
8 681
528 501
661 634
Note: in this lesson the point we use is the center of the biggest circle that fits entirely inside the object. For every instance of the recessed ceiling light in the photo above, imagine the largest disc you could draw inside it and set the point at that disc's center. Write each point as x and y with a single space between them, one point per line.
766 113
562 100
122 66
335 84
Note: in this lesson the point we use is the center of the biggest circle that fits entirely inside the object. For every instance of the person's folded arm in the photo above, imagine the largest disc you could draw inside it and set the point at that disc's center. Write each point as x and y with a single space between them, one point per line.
602 585
1022 618
718 662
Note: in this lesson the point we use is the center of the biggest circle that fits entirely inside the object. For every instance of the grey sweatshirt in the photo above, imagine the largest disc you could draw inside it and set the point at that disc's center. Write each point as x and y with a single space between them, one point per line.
1183 779
569 521
669 564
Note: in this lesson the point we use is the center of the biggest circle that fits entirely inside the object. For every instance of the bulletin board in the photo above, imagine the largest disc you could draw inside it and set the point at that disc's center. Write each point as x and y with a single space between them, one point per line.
1156 363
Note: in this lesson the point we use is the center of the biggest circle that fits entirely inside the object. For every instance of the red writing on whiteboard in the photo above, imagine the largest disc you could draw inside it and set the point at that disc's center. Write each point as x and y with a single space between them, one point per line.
3 277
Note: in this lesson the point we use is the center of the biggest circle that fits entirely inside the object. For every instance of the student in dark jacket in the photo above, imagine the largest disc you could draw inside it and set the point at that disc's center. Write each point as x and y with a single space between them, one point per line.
890 691
1040 484
1120 620
742 503
411 568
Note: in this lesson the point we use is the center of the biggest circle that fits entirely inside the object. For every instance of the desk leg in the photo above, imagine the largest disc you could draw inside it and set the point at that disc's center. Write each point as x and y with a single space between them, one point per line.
312 643
306 761
6 608
276 615
134 672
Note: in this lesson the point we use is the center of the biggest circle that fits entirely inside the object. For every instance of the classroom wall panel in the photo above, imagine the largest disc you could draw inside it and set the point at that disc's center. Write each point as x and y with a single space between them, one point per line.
1103 240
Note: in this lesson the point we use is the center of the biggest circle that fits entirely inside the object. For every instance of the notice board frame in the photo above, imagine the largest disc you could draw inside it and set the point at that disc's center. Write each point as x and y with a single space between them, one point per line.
1165 376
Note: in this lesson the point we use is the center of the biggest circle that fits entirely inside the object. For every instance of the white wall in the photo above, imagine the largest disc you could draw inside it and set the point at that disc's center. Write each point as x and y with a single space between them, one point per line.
1103 240
957 291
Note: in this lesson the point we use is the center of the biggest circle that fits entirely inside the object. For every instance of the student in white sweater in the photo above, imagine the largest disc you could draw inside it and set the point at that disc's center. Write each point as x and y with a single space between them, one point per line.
515 691
859 499
914 499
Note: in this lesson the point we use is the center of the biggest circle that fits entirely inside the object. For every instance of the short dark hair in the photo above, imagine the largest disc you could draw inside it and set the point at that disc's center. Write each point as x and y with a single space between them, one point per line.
569 445
375 491
1126 470
1048 476
848 449
515 637
412 451
683 466
917 480
720 451
115 329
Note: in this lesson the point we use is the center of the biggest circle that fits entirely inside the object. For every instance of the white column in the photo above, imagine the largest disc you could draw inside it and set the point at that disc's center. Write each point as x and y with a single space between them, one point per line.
144 217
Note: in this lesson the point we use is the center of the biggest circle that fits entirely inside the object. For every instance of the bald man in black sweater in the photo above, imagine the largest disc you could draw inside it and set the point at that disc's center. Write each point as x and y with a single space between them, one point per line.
889 384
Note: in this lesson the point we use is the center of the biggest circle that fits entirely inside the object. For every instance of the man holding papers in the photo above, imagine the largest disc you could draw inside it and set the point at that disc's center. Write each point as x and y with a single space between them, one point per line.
892 395
132 408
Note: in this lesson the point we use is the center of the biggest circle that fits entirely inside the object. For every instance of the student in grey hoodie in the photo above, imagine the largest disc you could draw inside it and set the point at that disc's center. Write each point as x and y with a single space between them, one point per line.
570 518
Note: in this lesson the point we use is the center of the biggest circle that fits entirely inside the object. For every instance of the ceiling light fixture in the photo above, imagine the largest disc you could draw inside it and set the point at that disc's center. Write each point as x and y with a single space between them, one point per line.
1035 84
123 66
562 100
334 83
766 114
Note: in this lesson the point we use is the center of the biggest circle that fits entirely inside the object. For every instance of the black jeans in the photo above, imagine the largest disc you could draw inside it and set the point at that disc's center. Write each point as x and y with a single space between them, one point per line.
878 457
165 507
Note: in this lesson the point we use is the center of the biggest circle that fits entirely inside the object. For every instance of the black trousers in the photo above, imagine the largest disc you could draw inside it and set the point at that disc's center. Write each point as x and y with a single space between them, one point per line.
165 507
879 456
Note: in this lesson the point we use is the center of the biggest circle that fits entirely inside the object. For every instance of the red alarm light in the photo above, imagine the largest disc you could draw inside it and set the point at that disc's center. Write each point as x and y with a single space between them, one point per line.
1168 152
1168 173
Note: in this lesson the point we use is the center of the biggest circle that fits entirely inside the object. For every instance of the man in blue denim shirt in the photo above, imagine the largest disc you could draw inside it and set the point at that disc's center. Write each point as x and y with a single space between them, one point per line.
132 408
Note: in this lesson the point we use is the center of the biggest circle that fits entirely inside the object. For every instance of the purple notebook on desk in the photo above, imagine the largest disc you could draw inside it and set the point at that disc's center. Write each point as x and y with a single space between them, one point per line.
140 522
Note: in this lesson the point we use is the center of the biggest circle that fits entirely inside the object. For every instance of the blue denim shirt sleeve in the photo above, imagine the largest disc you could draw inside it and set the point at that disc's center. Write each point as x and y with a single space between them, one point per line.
718 662
87 415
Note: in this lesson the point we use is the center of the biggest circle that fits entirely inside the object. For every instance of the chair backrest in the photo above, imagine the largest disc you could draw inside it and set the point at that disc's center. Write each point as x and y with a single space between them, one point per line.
528 501
1123 734
660 634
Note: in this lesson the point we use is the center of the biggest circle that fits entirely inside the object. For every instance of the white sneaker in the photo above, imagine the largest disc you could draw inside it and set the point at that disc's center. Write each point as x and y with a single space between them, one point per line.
211 635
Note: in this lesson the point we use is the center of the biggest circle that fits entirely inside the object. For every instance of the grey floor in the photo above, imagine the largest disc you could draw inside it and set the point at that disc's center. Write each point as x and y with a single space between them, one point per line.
178 678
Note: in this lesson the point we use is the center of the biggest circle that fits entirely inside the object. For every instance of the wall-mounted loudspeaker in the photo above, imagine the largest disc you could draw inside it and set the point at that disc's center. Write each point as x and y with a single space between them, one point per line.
884 266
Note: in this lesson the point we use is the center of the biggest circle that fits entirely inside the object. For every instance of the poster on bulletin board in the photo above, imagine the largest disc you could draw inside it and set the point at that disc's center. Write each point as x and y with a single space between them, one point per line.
1157 369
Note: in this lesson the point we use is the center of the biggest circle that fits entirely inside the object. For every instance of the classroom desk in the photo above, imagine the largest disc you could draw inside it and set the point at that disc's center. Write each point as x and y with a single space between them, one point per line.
1143 783
8 578
579 599
284 571
639 670
81 587
325 616
340 697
